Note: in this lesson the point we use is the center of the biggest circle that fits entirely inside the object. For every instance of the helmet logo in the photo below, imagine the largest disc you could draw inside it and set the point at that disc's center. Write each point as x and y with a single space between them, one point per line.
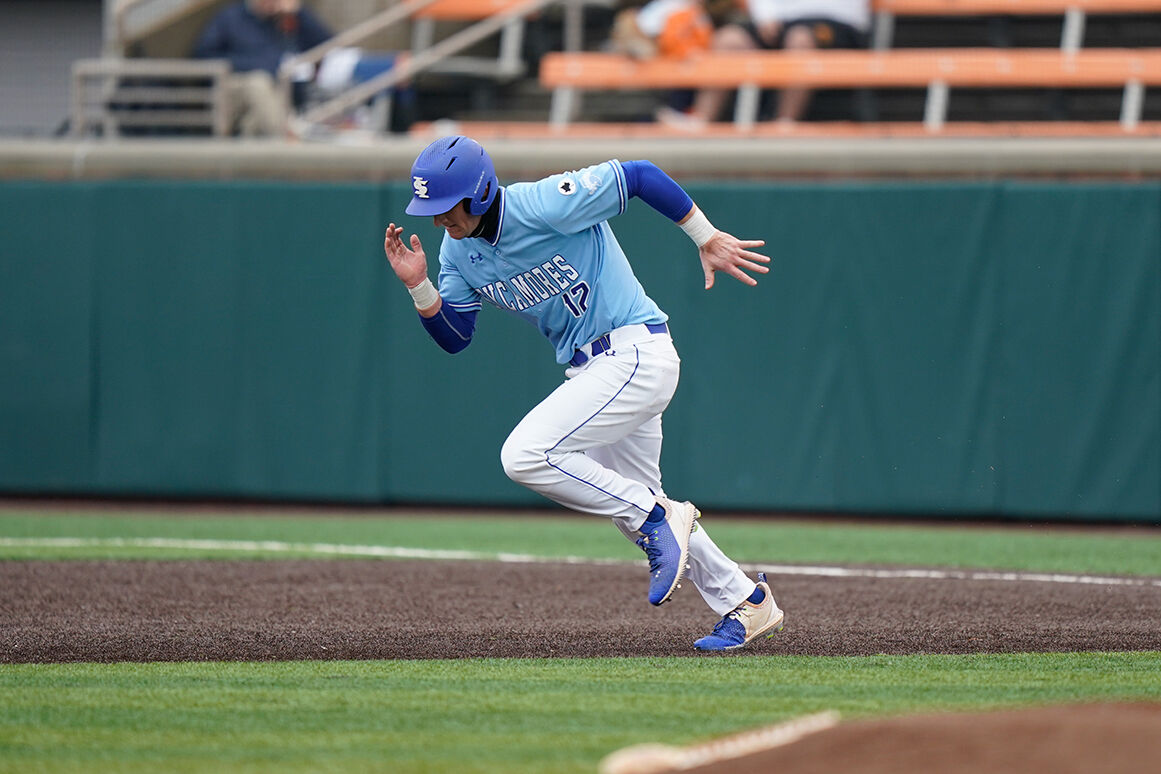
420 186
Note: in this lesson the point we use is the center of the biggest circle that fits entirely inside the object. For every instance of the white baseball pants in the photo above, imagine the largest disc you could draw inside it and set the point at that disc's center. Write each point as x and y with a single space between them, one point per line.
594 445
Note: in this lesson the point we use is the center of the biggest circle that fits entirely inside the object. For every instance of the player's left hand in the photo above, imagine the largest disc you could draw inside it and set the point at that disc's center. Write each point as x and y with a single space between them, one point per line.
725 252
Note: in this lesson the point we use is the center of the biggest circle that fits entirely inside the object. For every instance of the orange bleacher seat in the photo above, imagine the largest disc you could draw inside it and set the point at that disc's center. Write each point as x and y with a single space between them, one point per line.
465 10
935 69
506 64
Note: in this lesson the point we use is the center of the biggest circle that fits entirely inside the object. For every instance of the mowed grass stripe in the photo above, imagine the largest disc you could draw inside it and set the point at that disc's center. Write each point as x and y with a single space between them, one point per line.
492 715
265 548
1033 548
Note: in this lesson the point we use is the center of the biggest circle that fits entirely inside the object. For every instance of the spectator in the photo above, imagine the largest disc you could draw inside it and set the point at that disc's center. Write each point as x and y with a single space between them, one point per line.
807 25
256 36
792 25
668 28
675 29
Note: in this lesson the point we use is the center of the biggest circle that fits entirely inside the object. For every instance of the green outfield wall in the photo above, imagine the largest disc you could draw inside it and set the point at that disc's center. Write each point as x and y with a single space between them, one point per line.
930 348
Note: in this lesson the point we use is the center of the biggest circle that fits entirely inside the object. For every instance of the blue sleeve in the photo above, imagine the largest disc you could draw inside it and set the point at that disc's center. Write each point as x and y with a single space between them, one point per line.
451 330
657 189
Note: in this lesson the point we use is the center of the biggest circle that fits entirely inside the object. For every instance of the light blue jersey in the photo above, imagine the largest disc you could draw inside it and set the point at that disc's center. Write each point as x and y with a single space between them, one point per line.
554 261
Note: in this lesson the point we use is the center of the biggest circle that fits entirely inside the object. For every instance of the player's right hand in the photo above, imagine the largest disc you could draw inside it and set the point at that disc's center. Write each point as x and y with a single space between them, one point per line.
409 264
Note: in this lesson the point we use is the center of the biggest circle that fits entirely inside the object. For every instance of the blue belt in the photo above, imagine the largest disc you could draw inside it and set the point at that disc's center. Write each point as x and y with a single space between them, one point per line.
603 344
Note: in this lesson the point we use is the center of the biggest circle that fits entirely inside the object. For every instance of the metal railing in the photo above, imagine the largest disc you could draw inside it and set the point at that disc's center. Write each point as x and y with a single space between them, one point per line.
112 95
129 21
429 58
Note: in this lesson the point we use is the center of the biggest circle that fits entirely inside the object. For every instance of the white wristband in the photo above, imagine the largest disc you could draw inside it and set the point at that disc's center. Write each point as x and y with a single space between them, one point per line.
424 294
698 228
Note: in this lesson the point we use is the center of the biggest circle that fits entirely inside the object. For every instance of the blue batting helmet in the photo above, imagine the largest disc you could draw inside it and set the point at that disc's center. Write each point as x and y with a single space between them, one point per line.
448 171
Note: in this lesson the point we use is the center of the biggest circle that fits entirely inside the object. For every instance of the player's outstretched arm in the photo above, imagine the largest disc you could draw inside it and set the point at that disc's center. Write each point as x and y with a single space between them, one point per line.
410 266
719 251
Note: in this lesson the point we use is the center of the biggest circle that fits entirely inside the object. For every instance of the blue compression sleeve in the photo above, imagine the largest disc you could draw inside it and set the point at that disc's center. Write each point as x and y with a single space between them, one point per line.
657 189
451 330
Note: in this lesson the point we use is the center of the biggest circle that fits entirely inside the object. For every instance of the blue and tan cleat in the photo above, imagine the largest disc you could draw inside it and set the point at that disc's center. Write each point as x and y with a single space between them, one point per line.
745 622
667 547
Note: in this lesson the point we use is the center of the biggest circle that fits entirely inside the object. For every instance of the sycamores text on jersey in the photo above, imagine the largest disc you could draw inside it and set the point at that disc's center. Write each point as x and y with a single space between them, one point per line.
538 284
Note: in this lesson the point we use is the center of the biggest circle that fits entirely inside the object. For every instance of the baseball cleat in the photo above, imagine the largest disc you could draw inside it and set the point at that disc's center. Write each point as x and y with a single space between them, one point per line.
745 622
667 548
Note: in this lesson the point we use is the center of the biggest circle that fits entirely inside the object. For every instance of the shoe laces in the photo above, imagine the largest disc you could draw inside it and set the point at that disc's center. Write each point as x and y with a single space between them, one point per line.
731 628
733 615
652 551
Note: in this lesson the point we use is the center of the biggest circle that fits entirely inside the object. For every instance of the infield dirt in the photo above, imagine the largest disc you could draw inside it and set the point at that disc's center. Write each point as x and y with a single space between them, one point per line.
107 611
355 609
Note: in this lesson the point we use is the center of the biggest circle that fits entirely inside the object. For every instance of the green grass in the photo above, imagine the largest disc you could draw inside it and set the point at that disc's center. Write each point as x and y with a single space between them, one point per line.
1035 548
490 715
516 716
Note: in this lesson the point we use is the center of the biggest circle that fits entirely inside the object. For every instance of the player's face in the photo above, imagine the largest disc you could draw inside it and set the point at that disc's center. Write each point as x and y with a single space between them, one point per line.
458 221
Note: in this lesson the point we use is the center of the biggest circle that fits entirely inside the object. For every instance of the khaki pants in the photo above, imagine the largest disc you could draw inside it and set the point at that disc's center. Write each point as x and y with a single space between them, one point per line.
257 105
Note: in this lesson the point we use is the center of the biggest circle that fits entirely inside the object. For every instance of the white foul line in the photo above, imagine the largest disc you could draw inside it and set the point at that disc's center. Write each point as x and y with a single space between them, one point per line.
400 552
972 575
651 756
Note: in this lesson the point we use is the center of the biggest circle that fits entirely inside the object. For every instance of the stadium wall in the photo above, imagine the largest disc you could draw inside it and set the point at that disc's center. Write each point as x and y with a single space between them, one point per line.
946 348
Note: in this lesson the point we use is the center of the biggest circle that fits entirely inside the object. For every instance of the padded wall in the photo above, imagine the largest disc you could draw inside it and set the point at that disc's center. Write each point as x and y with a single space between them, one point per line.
944 348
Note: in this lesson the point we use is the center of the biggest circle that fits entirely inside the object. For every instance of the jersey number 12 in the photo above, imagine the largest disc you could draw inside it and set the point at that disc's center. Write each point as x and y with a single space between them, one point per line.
577 298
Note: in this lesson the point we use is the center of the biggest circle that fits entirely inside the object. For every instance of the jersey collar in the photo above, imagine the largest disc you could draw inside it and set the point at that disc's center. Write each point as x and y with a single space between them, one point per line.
502 196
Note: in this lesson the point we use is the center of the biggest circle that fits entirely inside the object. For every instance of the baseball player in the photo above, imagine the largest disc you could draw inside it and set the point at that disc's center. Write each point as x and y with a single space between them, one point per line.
544 251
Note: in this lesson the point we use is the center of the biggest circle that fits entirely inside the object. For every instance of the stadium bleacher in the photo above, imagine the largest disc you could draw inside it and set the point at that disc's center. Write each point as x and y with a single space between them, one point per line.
1091 121
964 66
937 70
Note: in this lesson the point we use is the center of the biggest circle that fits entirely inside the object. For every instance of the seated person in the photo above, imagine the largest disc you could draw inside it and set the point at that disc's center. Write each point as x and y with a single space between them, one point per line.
806 25
675 29
792 25
668 28
256 36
